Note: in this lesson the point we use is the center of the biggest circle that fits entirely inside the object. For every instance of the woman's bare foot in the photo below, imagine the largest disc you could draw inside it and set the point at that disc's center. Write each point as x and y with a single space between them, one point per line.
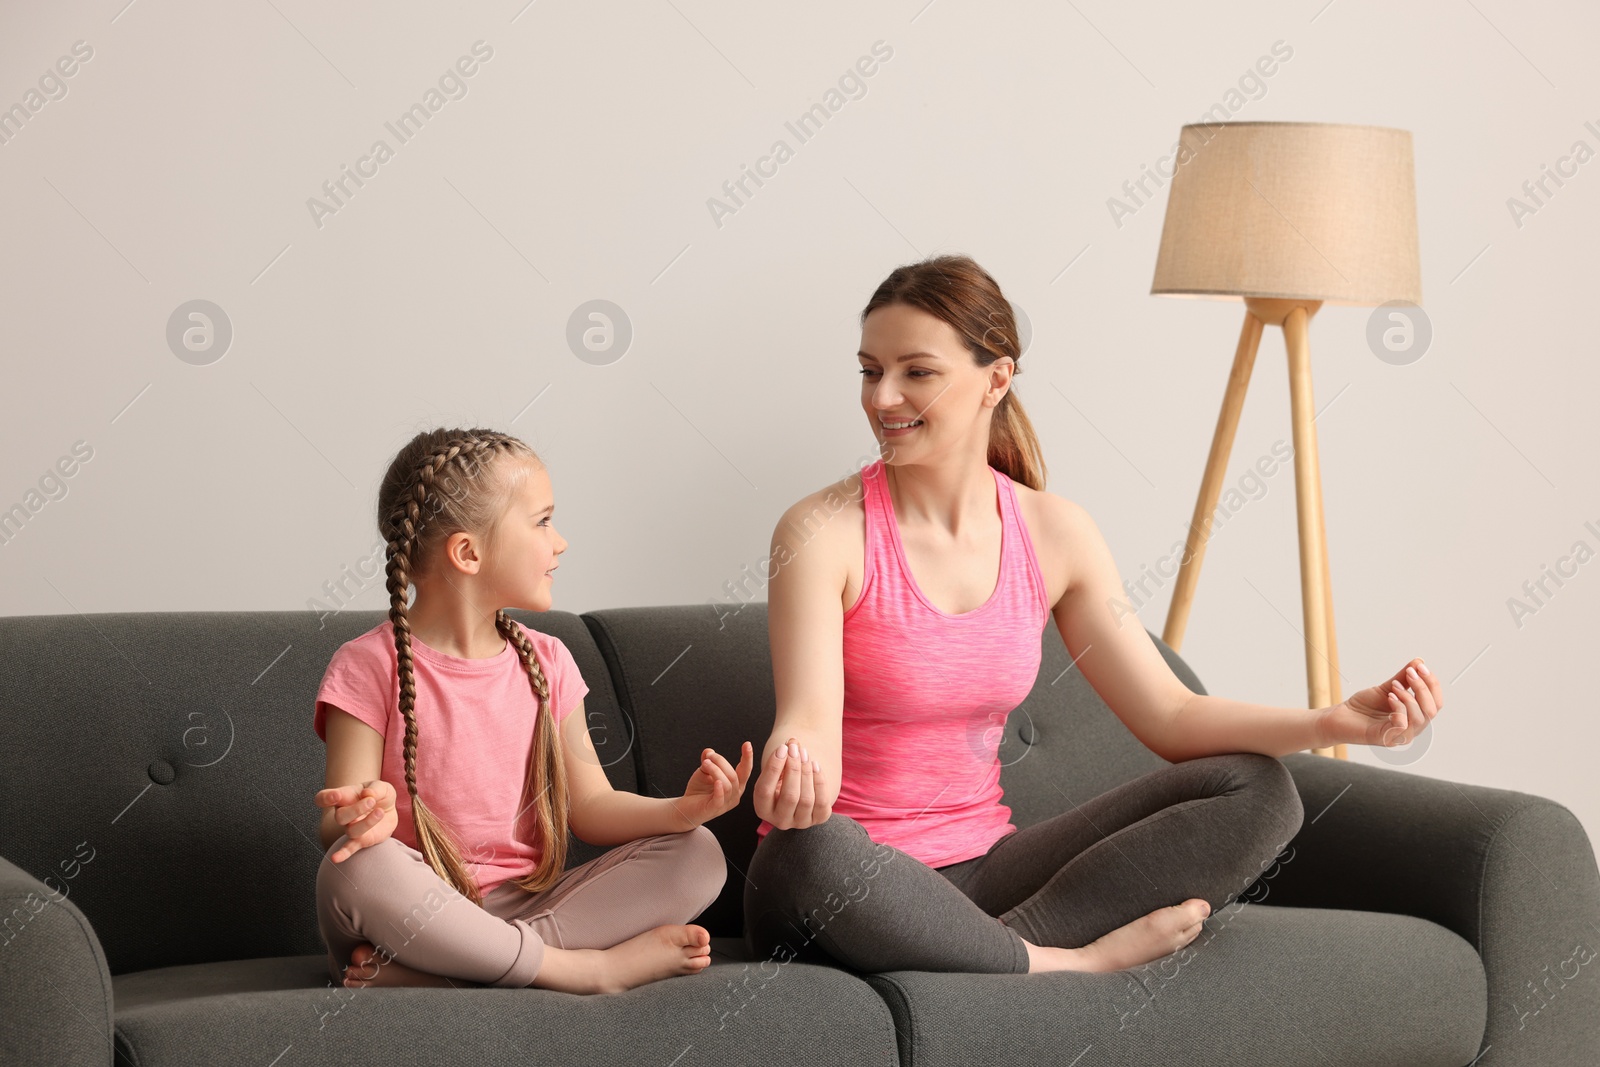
655 954
1147 938
367 968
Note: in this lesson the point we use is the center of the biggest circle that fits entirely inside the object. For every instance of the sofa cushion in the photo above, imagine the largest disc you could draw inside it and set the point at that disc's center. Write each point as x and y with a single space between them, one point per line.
1063 745
1260 984
254 1011
689 677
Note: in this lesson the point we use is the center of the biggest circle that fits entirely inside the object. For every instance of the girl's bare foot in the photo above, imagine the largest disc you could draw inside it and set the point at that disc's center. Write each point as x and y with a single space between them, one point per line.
655 954
1147 938
367 968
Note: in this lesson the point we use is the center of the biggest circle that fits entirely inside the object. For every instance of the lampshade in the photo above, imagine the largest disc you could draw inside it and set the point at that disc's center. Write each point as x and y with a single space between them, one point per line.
1296 210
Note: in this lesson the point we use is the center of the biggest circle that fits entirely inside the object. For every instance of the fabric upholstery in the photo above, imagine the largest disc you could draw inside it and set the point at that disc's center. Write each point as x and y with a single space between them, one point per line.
157 785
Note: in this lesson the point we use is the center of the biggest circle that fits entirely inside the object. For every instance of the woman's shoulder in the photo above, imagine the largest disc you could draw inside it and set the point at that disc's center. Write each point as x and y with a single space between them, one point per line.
1045 511
1057 527
831 516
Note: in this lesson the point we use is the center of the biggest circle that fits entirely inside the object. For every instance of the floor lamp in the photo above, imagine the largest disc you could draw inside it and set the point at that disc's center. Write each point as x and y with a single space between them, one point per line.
1286 216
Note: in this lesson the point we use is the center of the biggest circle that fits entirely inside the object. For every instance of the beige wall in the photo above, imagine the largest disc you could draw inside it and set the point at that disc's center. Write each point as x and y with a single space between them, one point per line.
177 161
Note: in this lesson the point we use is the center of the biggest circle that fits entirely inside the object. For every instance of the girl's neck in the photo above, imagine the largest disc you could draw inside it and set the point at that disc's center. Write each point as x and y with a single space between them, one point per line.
455 626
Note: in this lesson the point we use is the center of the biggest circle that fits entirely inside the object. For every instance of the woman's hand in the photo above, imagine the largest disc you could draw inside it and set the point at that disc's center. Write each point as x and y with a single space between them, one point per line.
789 793
1389 714
365 811
716 787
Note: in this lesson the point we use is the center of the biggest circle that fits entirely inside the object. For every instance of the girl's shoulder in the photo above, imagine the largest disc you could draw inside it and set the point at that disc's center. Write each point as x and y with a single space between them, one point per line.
363 665
561 671
552 651
376 644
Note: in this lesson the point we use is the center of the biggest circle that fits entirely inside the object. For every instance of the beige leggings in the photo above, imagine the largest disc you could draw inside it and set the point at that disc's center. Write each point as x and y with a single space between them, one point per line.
389 897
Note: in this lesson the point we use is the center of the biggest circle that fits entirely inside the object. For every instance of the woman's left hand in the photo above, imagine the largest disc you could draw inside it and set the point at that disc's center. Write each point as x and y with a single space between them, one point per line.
1389 714
716 786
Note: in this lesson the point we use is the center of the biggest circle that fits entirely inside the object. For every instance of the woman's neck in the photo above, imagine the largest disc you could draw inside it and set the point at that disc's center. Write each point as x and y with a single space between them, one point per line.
950 494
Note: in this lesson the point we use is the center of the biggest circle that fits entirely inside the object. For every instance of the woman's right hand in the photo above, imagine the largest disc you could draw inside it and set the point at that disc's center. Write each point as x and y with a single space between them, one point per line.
366 812
790 794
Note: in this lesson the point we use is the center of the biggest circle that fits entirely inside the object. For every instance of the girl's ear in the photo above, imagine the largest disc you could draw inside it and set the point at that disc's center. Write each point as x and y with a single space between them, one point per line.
461 552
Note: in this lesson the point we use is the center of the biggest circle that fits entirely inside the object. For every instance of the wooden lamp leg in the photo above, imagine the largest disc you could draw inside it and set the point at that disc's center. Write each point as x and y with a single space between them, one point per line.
1194 548
1316 591
1316 598
1334 689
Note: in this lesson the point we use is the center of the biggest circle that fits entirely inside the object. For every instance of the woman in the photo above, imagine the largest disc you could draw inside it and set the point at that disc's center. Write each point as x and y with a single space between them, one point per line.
906 617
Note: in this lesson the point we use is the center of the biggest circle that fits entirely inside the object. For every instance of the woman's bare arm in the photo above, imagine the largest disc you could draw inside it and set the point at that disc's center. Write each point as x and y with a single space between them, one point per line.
1110 646
805 622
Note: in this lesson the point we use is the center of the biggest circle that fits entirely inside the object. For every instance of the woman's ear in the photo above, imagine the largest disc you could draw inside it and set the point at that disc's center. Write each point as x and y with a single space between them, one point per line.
1000 374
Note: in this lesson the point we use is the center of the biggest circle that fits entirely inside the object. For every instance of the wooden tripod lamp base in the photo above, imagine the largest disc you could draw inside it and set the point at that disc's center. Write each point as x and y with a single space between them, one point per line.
1286 216
1316 595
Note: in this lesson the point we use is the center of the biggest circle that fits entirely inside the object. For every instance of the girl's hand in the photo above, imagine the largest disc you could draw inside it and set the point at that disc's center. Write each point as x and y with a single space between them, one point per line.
1389 714
790 793
716 787
365 811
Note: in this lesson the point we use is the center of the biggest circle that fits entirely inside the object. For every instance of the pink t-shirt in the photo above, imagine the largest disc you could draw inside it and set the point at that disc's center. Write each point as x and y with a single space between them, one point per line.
475 721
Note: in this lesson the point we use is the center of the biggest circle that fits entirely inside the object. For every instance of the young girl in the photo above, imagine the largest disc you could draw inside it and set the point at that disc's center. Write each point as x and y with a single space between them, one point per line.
459 756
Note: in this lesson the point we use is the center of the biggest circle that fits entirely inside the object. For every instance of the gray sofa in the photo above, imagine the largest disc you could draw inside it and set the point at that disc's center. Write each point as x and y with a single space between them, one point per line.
160 850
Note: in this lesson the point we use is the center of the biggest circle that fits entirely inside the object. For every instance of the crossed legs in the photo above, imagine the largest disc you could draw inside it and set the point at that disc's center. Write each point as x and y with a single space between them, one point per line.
388 897
1201 829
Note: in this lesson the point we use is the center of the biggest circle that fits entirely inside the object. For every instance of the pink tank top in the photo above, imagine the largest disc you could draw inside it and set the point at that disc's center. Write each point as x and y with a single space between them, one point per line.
927 693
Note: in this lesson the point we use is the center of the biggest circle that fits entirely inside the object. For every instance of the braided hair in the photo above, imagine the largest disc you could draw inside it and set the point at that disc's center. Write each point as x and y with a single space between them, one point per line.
443 482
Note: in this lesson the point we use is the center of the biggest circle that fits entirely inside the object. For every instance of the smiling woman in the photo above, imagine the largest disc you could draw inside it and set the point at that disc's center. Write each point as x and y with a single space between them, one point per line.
907 629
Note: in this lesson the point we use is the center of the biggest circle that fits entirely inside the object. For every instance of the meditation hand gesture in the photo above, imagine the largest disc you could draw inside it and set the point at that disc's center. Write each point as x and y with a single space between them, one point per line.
715 787
1389 714
366 812
790 793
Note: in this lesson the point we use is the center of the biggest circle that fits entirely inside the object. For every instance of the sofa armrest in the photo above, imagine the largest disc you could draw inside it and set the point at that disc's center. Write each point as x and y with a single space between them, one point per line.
54 980
1512 873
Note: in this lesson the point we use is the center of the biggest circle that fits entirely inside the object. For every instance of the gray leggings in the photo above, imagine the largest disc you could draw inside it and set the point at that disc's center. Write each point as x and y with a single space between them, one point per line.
1201 828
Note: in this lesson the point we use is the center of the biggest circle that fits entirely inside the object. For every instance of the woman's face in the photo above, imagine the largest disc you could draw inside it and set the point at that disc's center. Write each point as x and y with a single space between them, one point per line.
924 394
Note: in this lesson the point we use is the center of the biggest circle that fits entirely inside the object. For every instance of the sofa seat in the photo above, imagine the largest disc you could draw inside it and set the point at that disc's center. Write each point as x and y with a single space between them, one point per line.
254 1011
1256 989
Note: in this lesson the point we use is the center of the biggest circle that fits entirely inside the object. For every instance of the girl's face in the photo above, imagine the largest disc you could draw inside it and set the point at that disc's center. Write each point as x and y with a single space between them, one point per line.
923 393
522 555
